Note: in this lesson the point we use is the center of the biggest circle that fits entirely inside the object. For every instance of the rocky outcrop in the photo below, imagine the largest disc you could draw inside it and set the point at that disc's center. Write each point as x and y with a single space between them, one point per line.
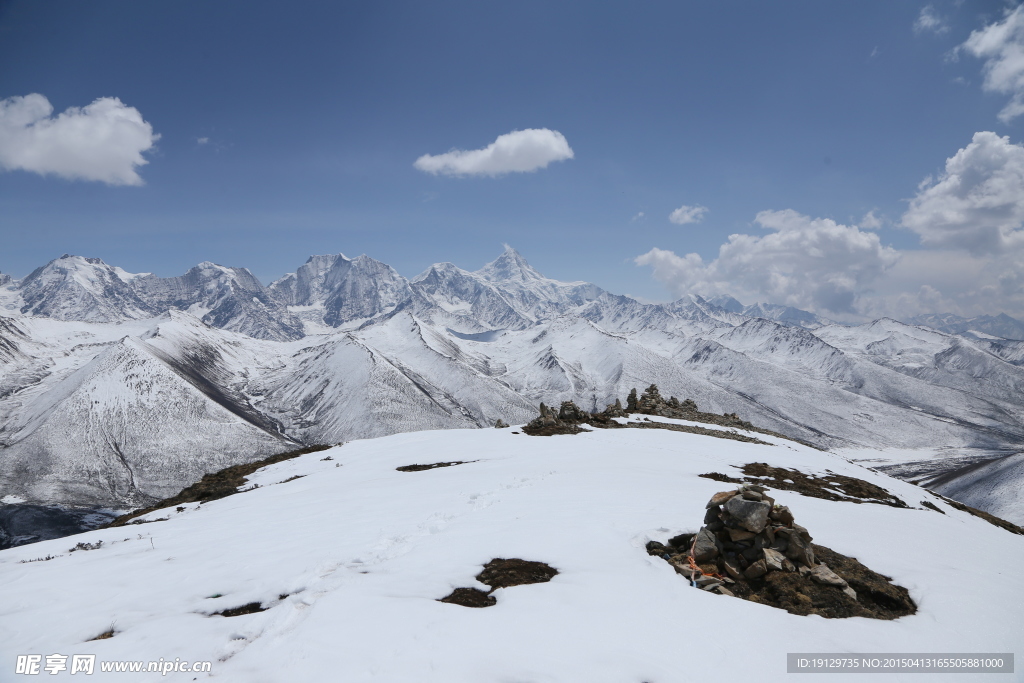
750 547
652 403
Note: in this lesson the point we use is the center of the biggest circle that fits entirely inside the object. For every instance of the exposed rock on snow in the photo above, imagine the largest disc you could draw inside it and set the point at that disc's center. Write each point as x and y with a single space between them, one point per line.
753 549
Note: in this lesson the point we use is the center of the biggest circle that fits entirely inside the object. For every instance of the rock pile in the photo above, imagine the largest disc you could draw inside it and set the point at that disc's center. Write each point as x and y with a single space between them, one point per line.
750 547
652 403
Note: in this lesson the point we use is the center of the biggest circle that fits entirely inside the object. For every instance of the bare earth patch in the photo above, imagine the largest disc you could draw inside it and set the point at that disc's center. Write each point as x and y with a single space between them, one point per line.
501 573
250 608
829 486
431 466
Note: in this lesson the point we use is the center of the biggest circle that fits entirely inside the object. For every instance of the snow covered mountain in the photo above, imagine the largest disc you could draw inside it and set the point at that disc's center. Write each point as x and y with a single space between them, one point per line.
1001 326
115 388
330 567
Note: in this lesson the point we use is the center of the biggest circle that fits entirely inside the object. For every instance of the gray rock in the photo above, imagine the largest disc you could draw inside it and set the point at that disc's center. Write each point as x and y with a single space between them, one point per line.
705 547
720 498
712 514
707 582
500 424
782 515
681 565
798 545
799 550
751 495
752 515
733 569
725 591
774 560
756 570
740 535
849 591
822 574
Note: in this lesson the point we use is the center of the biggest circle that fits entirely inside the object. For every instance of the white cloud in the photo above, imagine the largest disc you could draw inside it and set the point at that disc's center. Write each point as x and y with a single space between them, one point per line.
102 141
688 214
202 141
815 264
870 221
977 204
520 151
637 217
970 221
1001 45
929 21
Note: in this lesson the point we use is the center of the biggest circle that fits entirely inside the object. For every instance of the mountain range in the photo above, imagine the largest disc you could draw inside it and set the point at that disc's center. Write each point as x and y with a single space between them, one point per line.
118 388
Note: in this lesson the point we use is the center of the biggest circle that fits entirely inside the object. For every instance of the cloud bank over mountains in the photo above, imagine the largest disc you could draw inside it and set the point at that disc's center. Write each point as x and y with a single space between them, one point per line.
969 220
103 141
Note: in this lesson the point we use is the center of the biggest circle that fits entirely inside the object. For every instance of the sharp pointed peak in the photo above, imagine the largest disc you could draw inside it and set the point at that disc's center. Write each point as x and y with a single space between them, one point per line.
510 265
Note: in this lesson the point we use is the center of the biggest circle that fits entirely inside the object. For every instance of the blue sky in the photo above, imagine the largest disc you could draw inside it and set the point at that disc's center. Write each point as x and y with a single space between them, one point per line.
288 129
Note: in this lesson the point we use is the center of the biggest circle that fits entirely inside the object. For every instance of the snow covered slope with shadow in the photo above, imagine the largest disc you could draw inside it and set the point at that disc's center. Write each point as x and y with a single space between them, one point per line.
333 568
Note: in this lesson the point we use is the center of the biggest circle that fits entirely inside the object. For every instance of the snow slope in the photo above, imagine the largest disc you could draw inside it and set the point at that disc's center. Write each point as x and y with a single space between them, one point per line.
350 559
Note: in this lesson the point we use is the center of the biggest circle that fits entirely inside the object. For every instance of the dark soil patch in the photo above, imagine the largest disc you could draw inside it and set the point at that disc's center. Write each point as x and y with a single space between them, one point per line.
877 597
293 478
693 429
109 633
932 506
431 466
991 519
501 573
829 487
552 429
470 597
250 608
219 484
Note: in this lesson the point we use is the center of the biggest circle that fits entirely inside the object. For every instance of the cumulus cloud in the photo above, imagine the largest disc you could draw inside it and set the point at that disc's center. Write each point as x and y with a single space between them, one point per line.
812 263
929 21
520 151
102 141
970 222
870 221
977 203
688 214
1001 45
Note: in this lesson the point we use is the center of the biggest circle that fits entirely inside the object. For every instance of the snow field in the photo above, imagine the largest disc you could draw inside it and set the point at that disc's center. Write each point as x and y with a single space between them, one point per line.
362 553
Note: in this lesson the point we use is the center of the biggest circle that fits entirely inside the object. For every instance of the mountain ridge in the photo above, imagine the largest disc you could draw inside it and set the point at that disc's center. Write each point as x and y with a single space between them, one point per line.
348 348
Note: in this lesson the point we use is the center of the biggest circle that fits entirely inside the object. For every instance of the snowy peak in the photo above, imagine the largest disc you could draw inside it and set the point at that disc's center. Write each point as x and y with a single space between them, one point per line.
305 287
1002 325
80 288
342 291
225 297
509 267
787 315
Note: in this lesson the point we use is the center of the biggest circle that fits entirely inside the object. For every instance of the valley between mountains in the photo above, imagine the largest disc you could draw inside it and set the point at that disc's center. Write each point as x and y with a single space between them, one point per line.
119 389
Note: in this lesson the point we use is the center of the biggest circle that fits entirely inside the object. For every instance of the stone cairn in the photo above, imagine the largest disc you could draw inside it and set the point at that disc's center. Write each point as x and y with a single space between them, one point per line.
745 537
